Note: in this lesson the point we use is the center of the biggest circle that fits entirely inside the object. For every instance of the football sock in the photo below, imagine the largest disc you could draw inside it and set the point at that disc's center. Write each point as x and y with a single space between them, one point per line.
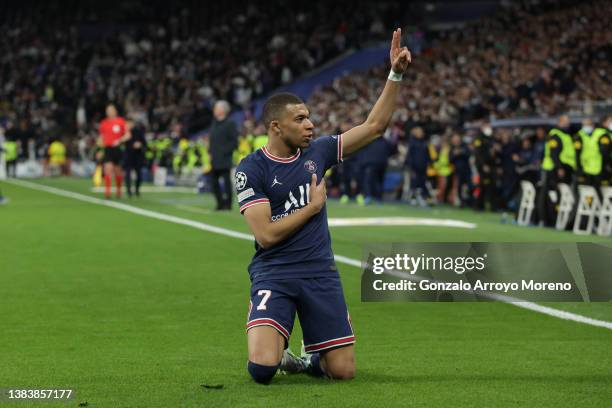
262 374
315 368
107 185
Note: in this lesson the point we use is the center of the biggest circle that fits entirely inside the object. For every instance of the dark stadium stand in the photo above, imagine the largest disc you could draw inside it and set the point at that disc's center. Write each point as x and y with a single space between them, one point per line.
165 65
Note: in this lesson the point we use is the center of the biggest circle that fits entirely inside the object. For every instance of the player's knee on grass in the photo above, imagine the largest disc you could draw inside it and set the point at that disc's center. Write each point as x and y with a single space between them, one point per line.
340 364
266 346
341 371
266 356
262 374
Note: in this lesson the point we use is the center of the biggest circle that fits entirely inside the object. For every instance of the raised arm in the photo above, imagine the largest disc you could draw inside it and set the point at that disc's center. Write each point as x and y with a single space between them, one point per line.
378 119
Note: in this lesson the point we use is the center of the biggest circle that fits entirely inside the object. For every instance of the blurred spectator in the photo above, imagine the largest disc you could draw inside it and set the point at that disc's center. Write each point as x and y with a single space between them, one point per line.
373 162
508 158
57 163
417 161
134 158
444 170
460 158
558 166
528 162
605 143
11 152
223 142
484 155
351 177
592 146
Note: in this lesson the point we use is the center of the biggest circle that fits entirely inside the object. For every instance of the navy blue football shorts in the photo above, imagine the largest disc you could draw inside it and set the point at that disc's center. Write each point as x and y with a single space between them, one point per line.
320 306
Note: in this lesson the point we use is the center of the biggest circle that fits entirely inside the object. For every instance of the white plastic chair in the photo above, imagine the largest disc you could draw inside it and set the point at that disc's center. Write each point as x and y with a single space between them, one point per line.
588 206
566 205
527 203
605 213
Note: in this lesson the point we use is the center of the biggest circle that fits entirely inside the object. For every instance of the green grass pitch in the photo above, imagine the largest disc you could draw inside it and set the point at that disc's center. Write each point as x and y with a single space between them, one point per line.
135 312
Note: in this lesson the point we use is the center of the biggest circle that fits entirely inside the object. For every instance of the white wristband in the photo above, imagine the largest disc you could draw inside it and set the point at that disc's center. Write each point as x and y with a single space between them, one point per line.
393 76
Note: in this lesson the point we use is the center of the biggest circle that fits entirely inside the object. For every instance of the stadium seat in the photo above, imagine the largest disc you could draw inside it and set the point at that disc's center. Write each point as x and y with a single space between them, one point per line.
588 206
160 176
605 214
566 206
527 203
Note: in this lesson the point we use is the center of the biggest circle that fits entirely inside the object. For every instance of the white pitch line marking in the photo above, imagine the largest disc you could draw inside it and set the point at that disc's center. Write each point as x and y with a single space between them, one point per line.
398 221
560 314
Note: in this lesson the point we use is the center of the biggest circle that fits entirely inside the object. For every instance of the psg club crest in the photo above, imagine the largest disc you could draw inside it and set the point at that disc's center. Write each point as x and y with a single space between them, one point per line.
241 180
310 166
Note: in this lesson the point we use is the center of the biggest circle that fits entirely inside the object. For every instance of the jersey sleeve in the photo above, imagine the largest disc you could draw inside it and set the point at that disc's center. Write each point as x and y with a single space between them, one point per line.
249 182
330 147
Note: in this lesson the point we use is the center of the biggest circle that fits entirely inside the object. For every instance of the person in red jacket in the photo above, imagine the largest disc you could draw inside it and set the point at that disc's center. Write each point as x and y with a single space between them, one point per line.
113 132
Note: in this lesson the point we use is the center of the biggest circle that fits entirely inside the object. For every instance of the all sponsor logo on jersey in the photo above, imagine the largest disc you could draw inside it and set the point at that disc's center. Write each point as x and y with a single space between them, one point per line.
310 166
295 202
304 198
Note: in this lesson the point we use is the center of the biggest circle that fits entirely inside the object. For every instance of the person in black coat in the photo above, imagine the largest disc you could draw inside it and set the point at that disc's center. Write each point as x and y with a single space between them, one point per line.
135 148
2 199
373 162
223 142
484 155
460 159
417 160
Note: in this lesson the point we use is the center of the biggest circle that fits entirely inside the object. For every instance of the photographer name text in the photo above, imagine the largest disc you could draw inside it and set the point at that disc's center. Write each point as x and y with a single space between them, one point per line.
463 286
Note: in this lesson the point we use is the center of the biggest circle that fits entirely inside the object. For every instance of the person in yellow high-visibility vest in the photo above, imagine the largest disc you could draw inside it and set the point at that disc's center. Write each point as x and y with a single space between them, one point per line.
244 148
605 147
444 170
559 152
204 154
180 157
558 166
192 157
592 146
259 141
57 155
2 151
11 152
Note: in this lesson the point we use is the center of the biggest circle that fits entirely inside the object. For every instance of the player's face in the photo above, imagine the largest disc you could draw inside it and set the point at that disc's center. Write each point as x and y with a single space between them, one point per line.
296 129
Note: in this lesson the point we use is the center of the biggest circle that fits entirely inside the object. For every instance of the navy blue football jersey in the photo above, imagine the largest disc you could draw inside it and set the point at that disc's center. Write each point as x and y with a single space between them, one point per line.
284 184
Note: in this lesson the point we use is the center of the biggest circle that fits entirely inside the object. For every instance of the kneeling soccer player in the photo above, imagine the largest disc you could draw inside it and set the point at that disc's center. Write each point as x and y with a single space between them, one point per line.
281 192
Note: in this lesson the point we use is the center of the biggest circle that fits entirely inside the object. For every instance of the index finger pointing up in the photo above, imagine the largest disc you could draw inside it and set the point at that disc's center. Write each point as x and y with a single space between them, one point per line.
395 42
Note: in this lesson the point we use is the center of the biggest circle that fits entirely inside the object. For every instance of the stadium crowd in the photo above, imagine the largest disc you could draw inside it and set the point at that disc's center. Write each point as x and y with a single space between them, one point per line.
515 64
524 62
530 59
58 73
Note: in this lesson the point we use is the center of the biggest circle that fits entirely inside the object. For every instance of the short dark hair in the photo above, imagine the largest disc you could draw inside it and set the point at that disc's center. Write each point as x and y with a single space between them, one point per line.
275 105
